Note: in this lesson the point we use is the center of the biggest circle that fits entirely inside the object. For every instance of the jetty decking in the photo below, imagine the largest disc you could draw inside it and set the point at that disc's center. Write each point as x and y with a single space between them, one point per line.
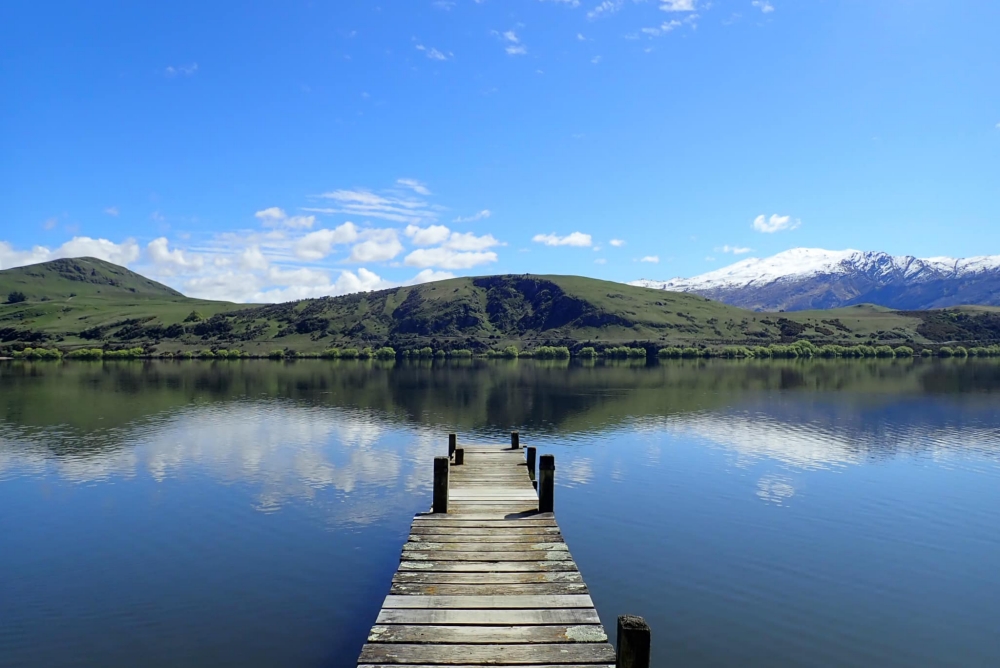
487 579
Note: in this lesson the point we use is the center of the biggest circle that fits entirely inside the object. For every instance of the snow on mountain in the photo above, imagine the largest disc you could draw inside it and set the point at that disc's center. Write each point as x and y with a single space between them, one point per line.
817 278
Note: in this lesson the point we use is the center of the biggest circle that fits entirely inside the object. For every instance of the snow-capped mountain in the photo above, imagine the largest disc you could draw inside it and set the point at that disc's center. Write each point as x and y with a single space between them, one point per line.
806 278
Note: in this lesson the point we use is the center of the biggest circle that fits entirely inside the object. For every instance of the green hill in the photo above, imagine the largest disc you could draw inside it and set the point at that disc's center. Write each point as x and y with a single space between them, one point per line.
89 303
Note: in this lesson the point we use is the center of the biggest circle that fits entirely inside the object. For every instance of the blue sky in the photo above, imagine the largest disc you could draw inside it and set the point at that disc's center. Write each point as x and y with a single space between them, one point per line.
297 149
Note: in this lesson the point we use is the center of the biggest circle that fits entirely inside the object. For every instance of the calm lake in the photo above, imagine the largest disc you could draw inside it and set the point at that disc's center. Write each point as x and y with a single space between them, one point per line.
251 513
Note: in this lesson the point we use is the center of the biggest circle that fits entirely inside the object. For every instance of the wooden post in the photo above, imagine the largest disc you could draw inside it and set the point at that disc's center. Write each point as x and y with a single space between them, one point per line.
531 461
515 440
546 483
441 484
452 443
459 456
633 642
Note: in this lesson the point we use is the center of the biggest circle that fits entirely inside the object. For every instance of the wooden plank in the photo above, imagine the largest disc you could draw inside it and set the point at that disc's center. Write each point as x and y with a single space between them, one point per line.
527 520
483 532
526 555
534 665
482 617
483 589
511 654
435 577
425 546
481 539
482 635
488 566
532 517
487 602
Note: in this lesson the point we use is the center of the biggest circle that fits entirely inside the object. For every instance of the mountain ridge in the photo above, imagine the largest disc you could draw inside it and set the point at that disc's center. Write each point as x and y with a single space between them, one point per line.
810 278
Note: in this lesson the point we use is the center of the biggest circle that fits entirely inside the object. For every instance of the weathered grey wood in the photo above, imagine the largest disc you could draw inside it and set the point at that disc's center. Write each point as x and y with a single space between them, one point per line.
425 546
449 555
478 531
546 483
488 602
459 456
511 654
534 665
504 537
435 577
483 635
484 589
531 452
487 566
515 440
452 444
633 642
441 465
480 617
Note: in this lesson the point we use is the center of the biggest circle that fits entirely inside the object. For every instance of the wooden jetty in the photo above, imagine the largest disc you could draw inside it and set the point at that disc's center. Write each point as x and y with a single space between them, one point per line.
486 578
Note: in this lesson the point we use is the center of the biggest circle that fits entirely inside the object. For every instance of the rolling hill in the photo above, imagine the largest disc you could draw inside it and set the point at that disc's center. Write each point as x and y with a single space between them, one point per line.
90 303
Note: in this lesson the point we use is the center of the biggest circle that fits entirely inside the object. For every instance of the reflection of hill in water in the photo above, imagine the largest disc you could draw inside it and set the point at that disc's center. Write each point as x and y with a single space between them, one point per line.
273 421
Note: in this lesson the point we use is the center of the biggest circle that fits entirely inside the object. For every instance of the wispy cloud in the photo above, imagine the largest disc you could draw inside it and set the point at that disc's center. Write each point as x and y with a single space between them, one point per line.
433 53
276 217
763 5
481 215
601 260
513 47
735 250
367 204
678 5
414 185
617 243
112 211
775 223
653 259
180 70
573 239
605 8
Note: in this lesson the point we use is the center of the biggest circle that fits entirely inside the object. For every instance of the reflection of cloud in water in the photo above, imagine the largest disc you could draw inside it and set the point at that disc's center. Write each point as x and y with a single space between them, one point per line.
579 471
814 444
284 449
776 489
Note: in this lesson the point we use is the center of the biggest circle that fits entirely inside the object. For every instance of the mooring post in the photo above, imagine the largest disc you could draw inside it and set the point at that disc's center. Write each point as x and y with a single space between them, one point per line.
452 443
441 484
633 642
515 440
531 461
459 456
546 483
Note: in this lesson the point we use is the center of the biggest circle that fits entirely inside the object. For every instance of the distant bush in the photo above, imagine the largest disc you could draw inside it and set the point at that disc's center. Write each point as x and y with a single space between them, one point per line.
439 354
552 352
206 355
124 354
624 352
86 354
330 354
194 316
884 351
510 353
926 352
462 352
691 353
276 354
904 351
961 351
669 353
945 351
366 353
587 353
425 352
16 297
38 354
349 353
385 353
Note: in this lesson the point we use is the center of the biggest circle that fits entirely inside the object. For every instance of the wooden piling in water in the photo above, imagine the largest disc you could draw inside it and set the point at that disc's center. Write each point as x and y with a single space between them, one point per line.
441 465
459 456
452 444
515 440
531 461
546 483
633 642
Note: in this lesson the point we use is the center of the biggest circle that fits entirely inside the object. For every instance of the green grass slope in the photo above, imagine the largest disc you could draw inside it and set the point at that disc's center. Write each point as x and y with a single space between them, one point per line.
89 303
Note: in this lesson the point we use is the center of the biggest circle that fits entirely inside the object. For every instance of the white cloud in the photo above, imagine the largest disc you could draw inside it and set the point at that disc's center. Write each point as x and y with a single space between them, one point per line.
651 258
663 28
169 261
185 70
516 50
595 60
112 211
428 275
617 243
763 5
427 236
380 245
678 5
447 258
735 250
121 254
467 241
276 217
514 46
600 260
414 185
364 203
570 3
252 258
606 8
775 223
511 36
432 53
317 245
574 239
485 213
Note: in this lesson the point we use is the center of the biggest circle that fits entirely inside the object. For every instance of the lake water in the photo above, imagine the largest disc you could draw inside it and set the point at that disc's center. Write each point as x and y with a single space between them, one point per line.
252 513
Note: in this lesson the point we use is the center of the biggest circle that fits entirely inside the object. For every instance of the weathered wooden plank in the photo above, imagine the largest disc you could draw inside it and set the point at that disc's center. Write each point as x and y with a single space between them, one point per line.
435 577
484 589
506 654
478 532
480 539
534 665
488 602
487 566
526 555
533 516
482 635
425 546
481 617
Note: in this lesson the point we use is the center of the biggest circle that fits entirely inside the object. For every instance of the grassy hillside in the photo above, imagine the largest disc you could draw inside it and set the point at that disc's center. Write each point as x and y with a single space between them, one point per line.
89 303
